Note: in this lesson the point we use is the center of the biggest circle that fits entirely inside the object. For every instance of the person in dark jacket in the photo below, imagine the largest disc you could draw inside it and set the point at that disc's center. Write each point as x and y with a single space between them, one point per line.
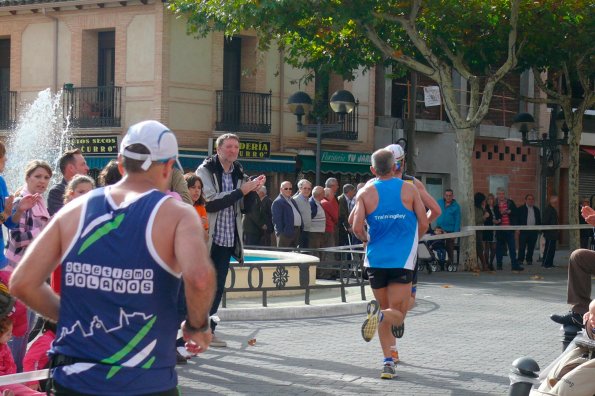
528 214
229 193
505 238
252 223
491 216
286 218
550 217
71 163
266 203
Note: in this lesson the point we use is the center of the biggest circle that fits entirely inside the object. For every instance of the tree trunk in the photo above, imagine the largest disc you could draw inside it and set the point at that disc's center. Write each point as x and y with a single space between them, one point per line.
574 139
465 139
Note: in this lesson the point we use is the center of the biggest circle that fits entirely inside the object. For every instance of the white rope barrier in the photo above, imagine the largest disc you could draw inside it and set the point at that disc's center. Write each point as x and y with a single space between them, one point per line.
470 230
19 378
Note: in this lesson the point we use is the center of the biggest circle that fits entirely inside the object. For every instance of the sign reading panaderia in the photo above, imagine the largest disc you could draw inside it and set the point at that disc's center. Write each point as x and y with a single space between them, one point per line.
344 157
253 149
95 145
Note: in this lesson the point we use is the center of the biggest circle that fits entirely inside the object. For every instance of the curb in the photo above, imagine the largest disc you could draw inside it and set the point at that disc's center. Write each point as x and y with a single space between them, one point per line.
288 313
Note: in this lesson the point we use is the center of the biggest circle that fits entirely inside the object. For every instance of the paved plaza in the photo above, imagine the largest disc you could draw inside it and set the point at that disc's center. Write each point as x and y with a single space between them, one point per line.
460 339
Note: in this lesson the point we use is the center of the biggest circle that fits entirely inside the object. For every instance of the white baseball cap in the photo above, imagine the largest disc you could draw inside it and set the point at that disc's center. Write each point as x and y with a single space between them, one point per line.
397 150
156 137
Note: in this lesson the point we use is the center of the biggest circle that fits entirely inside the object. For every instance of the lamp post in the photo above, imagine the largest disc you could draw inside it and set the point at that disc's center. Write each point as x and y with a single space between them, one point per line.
549 143
342 102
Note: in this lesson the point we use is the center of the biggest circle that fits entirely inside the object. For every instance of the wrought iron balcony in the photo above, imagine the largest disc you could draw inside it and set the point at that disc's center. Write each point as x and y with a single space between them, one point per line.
8 109
350 126
243 111
93 107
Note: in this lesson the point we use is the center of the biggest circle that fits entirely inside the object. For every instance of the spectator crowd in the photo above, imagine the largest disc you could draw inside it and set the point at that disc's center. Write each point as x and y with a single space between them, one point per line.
237 210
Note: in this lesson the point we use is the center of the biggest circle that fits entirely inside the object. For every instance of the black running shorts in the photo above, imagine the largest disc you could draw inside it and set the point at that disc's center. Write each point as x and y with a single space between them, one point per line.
381 277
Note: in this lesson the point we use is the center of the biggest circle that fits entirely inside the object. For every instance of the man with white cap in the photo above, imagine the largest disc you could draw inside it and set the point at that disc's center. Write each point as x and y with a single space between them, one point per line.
432 207
123 250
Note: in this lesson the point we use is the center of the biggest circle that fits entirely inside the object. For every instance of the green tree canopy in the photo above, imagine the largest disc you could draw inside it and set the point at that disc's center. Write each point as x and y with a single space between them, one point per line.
475 38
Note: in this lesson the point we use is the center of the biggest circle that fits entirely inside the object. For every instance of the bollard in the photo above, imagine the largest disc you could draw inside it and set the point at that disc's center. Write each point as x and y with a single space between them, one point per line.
523 376
570 331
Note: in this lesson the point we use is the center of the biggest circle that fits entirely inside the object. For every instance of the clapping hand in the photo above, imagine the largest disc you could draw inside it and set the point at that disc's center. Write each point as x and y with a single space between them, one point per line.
29 201
8 205
588 214
254 184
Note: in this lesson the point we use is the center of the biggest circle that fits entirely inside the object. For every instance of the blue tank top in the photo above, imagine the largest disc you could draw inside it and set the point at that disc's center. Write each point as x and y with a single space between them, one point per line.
3 195
392 229
118 302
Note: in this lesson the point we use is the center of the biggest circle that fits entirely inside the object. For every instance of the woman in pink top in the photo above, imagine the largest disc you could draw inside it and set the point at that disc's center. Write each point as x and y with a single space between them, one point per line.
30 216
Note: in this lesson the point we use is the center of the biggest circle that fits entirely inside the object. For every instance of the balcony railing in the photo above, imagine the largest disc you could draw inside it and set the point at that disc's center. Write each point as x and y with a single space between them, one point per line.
8 109
93 107
350 126
243 112
501 111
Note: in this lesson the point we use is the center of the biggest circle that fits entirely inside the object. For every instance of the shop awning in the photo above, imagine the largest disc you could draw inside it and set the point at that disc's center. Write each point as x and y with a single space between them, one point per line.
97 162
309 165
589 150
191 159
275 163
278 163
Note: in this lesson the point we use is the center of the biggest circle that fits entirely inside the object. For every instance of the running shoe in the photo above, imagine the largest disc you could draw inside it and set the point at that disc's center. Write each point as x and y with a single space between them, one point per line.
218 342
371 323
388 371
398 331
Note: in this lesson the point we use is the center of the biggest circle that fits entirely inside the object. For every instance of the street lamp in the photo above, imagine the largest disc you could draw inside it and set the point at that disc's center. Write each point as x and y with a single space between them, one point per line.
342 102
549 143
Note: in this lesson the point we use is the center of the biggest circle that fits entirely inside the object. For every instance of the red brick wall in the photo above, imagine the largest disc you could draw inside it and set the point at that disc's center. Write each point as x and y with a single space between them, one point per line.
504 157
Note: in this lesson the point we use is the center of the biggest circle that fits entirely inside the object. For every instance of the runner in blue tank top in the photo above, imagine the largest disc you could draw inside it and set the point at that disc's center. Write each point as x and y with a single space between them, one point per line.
432 207
123 250
396 218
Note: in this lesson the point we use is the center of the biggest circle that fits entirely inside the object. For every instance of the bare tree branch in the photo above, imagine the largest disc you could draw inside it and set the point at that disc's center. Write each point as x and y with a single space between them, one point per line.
457 61
511 59
568 81
390 52
529 99
473 97
449 96
415 6
541 84
416 39
509 64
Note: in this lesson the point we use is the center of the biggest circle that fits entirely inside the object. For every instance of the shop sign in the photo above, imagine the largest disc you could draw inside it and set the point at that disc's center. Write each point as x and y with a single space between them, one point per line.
254 149
343 157
105 145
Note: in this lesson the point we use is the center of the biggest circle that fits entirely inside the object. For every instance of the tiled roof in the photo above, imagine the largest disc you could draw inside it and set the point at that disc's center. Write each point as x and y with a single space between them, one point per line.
7 3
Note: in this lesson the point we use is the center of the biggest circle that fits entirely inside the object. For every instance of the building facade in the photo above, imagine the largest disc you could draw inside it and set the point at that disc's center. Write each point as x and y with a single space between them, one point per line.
119 62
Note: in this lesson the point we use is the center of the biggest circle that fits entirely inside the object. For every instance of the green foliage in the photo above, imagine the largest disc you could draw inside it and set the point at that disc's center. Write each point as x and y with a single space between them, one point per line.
328 35
558 35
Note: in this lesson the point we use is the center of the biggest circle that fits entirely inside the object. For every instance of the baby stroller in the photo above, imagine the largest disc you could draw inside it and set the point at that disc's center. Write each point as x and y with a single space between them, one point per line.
439 249
426 258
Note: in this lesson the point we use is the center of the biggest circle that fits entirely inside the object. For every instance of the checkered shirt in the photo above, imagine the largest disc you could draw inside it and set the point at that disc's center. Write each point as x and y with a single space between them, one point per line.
225 225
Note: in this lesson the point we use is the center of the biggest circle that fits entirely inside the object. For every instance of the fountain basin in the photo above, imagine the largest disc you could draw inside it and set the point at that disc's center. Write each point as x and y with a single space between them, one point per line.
264 268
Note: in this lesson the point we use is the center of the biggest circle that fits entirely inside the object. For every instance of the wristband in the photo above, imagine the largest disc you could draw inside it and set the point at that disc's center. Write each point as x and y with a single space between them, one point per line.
188 328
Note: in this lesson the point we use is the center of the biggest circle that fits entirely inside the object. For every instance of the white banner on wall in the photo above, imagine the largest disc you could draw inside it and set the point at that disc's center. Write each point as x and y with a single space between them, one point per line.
432 96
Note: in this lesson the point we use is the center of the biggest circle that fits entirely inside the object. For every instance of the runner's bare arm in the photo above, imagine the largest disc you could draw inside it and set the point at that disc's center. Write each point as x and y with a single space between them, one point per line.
352 214
358 218
429 202
28 281
420 213
198 273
